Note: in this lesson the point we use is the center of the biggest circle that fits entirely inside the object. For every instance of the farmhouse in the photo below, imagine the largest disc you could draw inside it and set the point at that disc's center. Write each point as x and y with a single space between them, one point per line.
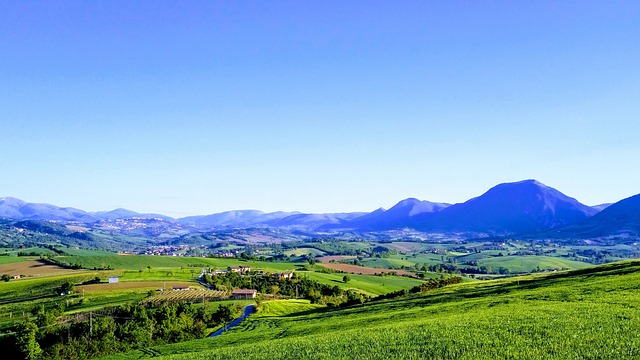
113 279
181 288
239 269
16 277
244 294
282 275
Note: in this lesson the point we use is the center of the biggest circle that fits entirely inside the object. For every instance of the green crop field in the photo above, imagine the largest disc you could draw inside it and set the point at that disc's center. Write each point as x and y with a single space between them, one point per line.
525 264
286 307
13 259
373 285
592 313
304 251
407 260
141 262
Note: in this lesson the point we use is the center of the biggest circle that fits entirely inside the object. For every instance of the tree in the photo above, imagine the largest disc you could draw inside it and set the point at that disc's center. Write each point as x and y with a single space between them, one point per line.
149 267
224 314
275 289
67 288
6 278
26 340
346 278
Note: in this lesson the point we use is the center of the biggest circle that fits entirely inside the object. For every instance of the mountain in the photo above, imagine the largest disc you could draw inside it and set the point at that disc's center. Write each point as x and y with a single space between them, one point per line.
235 219
601 206
621 219
399 216
13 208
121 213
510 208
313 221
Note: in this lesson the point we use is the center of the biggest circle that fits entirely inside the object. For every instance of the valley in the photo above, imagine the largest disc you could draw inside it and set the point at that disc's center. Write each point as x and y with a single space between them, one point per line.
522 253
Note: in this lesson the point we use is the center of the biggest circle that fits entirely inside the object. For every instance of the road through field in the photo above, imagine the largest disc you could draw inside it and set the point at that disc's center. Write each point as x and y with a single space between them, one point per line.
248 310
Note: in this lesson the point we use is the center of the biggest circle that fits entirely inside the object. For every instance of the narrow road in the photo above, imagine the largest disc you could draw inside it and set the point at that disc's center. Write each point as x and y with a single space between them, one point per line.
248 310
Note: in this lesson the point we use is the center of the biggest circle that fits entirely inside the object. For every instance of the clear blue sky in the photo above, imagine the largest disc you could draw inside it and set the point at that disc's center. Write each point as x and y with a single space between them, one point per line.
195 107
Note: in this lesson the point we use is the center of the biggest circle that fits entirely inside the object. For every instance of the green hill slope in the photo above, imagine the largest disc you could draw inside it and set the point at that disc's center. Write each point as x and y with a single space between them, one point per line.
584 314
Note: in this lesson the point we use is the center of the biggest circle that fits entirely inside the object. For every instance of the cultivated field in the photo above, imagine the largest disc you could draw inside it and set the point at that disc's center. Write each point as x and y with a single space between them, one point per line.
187 295
304 251
337 258
363 270
372 285
585 314
132 285
33 268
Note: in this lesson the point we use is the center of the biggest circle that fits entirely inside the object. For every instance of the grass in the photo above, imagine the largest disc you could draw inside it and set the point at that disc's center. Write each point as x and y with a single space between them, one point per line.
286 307
13 259
373 285
525 264
591 313
141 262
304 251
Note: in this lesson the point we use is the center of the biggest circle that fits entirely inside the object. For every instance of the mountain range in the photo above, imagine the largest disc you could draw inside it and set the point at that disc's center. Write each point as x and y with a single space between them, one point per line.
523 207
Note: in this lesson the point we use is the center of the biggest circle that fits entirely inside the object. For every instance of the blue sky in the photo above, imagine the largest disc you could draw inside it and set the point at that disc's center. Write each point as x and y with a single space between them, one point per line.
196 107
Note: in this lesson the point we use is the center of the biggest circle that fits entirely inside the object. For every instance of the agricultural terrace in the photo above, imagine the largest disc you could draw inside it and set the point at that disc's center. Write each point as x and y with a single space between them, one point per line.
583 314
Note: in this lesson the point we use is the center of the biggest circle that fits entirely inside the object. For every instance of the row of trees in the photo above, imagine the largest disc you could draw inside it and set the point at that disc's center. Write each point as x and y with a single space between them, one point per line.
429 285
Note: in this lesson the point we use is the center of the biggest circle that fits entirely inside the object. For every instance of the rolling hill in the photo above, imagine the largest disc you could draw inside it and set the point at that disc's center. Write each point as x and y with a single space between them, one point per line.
584 314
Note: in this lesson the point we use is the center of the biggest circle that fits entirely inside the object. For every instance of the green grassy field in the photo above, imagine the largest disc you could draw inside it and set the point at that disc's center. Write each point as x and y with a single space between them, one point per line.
304 251
407 260
373 285
140 262
592 313
525 264
13 259
286 307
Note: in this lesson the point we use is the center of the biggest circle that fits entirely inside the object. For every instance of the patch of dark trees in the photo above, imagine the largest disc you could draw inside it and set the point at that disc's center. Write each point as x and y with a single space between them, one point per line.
47 335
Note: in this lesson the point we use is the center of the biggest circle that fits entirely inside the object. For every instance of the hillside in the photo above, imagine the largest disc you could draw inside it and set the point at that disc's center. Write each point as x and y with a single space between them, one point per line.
510 208
589 313
620 220
398 216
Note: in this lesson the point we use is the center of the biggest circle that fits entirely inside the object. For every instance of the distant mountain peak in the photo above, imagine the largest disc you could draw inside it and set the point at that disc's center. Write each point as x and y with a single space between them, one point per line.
516 207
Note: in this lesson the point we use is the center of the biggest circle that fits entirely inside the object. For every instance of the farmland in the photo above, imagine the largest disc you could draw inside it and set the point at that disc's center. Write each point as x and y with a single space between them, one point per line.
32 268
589 313
372 285
363 270
143 262
141 277
186 295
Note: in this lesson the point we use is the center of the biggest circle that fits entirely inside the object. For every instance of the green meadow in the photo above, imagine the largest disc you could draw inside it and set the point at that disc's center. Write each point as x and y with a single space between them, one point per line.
370 284
143 262
592 313
526 264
